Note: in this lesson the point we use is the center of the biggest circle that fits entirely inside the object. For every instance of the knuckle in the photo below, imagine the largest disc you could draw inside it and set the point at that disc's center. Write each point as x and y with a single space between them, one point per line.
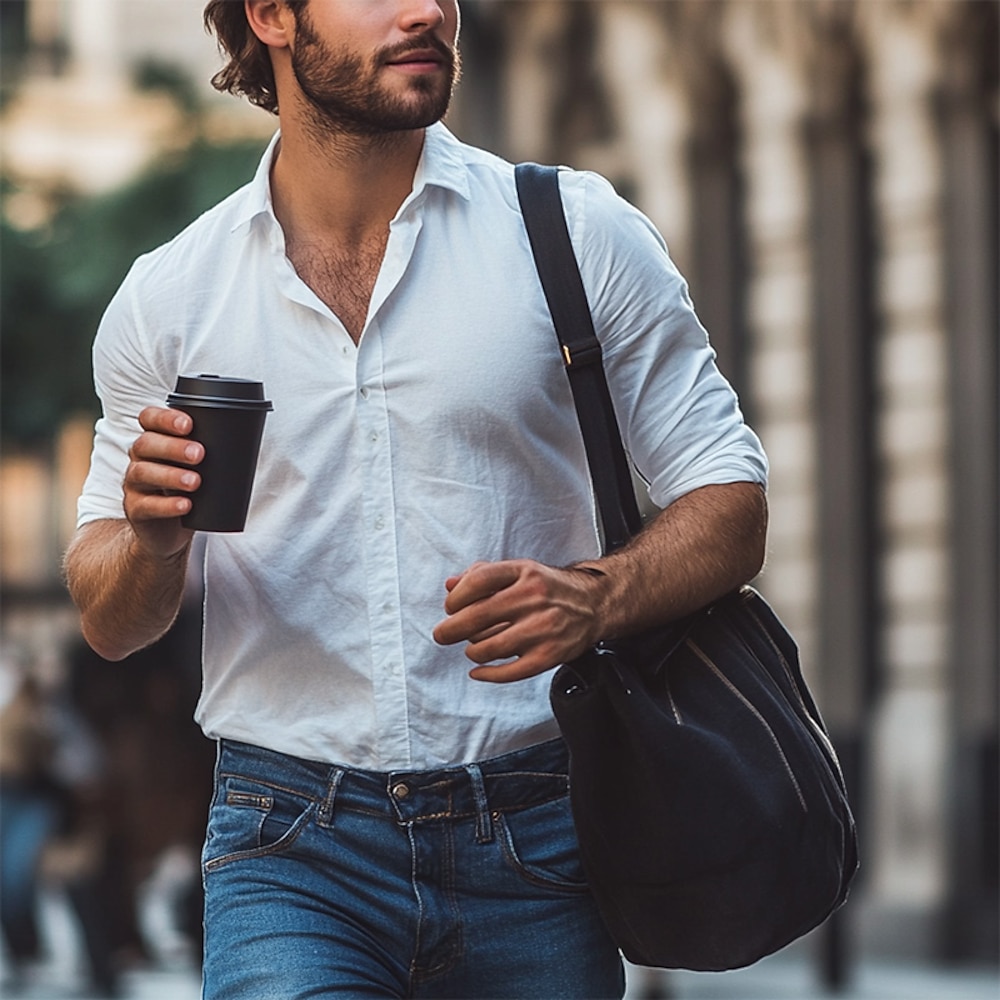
150 417
473 653
531 582
142 446
132 472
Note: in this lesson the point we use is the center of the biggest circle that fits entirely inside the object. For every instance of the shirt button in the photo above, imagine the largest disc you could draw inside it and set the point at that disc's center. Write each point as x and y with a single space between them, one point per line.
400 791
365 392
379 523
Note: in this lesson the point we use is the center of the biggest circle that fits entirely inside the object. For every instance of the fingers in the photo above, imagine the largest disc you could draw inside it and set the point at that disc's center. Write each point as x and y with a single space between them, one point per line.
156 491
529 615
159 478
164 438
478 604
165 420
517 670
160 452
526 649
480 580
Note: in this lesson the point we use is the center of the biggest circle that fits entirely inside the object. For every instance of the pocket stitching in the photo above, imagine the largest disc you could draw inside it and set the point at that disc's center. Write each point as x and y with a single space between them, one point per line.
511 855
281 844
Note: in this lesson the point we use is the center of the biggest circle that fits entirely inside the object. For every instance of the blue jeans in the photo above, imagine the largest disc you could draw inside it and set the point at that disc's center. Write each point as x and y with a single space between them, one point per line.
463 882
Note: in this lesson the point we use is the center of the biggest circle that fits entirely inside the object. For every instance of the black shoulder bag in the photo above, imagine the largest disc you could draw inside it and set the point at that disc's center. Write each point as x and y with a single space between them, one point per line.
711 811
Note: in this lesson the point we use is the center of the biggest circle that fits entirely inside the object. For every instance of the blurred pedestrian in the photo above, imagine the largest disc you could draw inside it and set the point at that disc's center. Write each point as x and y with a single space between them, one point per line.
383 822
52 824
30 807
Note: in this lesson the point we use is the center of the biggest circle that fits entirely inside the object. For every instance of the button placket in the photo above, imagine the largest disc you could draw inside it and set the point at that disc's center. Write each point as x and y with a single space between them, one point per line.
385 625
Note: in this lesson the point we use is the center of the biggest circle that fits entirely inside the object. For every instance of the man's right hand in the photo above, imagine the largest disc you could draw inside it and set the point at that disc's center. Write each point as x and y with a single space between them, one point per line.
157 483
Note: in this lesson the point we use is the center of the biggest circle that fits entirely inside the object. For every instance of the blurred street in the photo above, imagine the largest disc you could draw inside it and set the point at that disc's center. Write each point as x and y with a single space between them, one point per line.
790 975
170 973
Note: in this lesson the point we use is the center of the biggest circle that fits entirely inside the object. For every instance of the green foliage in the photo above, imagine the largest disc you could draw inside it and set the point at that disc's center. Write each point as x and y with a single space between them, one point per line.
56 282
153 74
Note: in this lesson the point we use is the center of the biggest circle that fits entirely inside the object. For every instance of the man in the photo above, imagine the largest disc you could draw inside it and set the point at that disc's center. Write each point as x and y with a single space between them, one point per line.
385 823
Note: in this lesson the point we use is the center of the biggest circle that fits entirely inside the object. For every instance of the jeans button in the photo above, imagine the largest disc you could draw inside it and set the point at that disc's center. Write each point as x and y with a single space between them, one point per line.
400 791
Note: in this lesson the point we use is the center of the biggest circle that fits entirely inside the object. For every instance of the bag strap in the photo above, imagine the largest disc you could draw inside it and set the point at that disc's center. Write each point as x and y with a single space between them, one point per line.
542 208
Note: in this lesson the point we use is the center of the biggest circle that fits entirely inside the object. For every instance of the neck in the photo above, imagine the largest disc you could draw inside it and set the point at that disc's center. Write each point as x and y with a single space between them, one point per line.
341 187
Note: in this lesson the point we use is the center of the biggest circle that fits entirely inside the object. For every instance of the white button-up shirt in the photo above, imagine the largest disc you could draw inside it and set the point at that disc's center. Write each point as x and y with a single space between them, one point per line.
446 436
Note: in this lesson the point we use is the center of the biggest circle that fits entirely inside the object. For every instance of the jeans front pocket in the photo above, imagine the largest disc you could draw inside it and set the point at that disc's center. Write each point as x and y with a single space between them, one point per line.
251 819
540 844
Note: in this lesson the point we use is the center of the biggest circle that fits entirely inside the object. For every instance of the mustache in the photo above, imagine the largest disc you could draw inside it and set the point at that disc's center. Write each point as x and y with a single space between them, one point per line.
415 44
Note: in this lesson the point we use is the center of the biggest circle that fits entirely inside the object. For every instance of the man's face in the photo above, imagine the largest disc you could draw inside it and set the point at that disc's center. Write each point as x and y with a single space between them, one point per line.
368 67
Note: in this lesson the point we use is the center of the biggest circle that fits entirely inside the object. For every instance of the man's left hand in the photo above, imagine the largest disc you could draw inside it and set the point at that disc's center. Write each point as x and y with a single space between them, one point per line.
520 617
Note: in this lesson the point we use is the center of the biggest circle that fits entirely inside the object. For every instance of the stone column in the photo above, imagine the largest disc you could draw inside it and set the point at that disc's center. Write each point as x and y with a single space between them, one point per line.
773 102
905 856
968 128
95 52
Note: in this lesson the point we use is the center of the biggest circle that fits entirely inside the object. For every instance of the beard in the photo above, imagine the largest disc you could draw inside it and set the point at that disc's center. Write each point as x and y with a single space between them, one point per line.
345 95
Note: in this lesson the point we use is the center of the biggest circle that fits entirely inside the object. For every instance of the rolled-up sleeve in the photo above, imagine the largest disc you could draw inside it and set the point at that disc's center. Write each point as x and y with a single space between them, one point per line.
680 419
125 385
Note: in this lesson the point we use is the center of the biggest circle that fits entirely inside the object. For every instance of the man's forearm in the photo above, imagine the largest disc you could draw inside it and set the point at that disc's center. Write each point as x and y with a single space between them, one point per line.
702 546
519 617
127 597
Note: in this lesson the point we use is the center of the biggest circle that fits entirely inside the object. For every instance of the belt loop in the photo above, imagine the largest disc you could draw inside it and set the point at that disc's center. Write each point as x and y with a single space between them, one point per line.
484 821
325 817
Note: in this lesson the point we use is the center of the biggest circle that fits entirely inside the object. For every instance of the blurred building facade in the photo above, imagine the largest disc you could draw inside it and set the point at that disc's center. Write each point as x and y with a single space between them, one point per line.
825 173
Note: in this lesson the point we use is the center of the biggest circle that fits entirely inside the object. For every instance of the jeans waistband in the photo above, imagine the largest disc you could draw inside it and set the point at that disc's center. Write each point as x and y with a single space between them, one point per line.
506 783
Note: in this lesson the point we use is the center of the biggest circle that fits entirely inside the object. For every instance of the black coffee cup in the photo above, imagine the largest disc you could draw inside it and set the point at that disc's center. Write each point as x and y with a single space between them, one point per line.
228 415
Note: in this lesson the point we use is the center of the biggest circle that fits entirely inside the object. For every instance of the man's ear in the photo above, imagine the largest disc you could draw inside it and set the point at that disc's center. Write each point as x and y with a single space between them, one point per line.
271 21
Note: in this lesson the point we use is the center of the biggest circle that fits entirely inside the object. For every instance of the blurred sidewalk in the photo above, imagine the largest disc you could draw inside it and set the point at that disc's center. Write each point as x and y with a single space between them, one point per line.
794 977
155 984
61 975
790 975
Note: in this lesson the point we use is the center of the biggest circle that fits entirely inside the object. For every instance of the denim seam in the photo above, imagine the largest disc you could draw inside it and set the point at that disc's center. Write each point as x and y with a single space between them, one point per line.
468 813
525 774
278 847
557 885
414 882
270 784
484 822
452 938
425 817
324 817
249 800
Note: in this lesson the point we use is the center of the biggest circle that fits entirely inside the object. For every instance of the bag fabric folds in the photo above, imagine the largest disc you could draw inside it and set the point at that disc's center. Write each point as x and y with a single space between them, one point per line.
712 815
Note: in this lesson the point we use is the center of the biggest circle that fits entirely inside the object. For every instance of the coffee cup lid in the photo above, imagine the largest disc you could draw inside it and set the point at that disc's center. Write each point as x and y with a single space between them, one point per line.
219 390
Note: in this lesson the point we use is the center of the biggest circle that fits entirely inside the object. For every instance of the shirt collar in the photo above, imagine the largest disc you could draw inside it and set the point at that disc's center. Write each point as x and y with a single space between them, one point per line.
441 165
257 194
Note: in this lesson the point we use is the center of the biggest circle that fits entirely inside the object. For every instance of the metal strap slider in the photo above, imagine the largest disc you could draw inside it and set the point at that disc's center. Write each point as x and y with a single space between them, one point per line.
588 354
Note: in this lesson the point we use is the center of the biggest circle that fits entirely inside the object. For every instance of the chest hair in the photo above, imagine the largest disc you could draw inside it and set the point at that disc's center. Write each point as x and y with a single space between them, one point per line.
343 276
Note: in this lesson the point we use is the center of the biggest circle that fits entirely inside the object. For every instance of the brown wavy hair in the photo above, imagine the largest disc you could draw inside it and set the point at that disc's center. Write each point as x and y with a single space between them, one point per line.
248 71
